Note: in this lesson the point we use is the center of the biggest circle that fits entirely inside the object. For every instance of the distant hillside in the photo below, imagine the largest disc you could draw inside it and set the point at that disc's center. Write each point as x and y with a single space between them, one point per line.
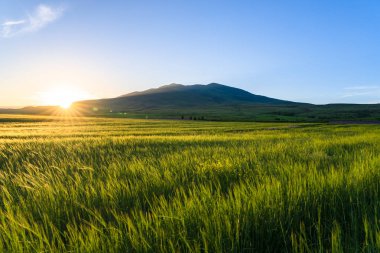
45 110
180 97
194 95
211 102
220 102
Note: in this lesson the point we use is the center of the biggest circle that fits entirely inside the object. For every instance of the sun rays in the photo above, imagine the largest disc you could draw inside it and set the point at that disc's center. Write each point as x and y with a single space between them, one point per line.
62 96
60 102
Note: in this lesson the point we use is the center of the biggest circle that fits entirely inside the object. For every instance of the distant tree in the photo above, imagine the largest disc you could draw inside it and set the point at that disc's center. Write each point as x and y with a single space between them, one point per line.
182 117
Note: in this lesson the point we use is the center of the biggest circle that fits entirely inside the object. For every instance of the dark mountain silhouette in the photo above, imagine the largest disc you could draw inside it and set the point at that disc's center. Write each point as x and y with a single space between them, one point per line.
220 102
210 102
178 97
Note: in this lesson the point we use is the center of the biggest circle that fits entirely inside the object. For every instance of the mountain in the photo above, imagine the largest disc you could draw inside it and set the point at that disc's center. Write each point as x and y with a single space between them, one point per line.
181 97
191 95
210 102
220 102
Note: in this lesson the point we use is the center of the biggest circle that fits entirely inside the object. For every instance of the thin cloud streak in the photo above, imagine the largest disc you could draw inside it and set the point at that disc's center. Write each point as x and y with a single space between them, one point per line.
12 23
41 17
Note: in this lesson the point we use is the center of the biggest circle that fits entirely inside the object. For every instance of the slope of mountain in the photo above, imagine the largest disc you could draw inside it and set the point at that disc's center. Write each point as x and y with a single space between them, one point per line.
180 97
210 102
220 102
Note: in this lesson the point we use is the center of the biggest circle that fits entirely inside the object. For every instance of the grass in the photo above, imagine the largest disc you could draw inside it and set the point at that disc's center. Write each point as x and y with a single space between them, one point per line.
124 185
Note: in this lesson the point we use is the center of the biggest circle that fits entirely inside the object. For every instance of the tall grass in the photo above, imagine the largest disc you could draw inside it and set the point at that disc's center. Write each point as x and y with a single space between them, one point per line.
114 185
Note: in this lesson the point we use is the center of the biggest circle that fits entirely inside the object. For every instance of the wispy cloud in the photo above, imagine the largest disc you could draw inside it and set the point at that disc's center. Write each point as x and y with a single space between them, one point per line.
32 22
361 91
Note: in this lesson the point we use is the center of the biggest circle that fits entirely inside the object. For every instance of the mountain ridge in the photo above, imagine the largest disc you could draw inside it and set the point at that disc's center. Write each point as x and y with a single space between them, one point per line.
178 96
211 87
220 102
152 90
210 102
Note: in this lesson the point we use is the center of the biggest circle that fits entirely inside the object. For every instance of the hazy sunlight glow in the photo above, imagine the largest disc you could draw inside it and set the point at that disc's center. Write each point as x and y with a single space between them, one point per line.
62 96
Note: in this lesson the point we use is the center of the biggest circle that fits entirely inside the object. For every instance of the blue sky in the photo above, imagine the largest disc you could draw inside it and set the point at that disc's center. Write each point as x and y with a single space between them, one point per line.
318 51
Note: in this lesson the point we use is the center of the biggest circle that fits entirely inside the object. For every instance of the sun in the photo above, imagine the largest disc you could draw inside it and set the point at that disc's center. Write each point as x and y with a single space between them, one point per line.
65 104
63 97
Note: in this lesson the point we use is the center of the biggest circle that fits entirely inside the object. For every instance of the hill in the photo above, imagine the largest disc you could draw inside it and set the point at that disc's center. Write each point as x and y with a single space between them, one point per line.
216 101
180 97
220 102
211 102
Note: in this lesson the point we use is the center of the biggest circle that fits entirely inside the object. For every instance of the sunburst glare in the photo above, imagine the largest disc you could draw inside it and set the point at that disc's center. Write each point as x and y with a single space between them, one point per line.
62 96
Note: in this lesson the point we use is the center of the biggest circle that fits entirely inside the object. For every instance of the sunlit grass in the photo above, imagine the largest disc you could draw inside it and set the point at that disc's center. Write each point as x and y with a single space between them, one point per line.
114 185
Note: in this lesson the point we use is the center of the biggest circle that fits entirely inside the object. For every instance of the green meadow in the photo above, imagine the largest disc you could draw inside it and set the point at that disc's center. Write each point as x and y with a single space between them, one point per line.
128 185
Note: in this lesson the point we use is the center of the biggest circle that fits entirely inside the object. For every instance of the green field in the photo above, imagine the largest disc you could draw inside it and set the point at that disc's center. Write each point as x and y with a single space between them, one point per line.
124 185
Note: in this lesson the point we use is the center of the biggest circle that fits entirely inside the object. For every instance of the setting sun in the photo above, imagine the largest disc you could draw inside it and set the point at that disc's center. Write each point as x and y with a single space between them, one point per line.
62 96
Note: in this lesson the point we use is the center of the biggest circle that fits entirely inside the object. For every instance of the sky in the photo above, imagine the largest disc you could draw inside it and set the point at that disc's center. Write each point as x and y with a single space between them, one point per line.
316 51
